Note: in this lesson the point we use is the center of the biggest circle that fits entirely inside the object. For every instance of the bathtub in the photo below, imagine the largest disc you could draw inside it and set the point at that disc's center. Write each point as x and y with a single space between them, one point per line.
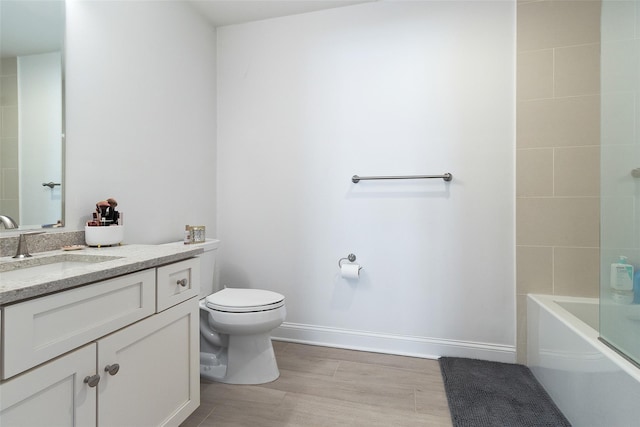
591 383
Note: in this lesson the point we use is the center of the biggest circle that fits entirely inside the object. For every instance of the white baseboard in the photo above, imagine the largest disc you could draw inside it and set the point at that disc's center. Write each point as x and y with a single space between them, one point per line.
428 348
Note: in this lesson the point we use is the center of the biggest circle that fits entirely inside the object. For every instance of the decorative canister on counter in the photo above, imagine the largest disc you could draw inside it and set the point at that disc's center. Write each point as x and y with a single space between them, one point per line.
106 226
103 236
196 234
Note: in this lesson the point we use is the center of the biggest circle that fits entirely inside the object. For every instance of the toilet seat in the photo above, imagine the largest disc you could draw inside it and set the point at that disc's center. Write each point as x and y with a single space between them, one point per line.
234 300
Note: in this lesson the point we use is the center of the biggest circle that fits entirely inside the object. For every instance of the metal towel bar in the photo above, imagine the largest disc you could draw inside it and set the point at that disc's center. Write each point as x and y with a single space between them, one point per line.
356 179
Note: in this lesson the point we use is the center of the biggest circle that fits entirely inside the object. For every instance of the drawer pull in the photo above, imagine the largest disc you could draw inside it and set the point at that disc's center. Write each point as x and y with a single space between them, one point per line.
92 380
183 282
112 369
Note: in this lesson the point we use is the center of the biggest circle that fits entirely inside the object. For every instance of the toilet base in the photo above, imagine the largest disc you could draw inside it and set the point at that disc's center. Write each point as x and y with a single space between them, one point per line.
252 361
211 365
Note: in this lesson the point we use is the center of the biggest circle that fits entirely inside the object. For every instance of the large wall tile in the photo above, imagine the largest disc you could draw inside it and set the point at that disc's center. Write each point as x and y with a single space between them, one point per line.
9 150
10 207
548 24
577 171
558 221
9 66
534 172
521 338
558 122
10 184
576 271
577 70
535 74
535 269
9 128
8 90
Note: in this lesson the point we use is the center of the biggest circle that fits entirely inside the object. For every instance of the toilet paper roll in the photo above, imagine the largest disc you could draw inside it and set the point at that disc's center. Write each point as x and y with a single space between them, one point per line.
350 271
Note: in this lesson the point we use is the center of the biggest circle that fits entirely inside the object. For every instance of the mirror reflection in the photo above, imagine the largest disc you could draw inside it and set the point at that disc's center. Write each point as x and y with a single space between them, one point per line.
31 104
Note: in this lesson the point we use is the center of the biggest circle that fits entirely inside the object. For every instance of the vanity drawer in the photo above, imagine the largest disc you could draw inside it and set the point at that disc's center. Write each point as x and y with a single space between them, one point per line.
40 329
178 282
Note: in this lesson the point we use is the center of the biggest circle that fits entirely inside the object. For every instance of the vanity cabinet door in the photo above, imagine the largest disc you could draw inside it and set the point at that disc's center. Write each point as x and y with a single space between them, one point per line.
53 394
177 282
157 380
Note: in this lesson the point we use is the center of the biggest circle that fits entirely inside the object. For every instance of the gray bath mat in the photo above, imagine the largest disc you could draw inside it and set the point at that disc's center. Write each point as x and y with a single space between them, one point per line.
482 393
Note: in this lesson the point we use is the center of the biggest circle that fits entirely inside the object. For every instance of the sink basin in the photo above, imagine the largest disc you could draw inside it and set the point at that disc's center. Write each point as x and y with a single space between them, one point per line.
34 267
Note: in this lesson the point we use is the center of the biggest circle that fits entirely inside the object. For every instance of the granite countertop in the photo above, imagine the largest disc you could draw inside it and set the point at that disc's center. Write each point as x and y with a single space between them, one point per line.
130 258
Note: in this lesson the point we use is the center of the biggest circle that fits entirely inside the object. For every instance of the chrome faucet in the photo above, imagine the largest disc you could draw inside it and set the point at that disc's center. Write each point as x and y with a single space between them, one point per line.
23 250
8 222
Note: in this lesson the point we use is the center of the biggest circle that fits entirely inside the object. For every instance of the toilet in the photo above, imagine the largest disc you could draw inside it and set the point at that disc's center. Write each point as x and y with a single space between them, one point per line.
235 328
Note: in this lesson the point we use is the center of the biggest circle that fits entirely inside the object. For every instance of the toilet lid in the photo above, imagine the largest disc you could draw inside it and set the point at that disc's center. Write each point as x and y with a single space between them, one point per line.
244 300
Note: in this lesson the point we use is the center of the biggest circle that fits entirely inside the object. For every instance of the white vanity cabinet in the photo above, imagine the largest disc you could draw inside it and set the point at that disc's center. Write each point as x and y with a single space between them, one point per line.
104 354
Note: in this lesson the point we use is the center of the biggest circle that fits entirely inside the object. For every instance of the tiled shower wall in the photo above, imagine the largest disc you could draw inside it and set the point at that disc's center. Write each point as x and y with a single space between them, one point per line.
9 138
557 152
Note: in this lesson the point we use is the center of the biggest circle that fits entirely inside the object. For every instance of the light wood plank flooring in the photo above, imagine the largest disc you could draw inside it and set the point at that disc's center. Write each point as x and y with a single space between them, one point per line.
321 386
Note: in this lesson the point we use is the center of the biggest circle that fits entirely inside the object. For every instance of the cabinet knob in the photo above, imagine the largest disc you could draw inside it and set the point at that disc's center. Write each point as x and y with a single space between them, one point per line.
182 282
92 380
112 369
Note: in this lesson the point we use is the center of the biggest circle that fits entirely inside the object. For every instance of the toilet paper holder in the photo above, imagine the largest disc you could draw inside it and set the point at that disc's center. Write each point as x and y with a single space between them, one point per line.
350 258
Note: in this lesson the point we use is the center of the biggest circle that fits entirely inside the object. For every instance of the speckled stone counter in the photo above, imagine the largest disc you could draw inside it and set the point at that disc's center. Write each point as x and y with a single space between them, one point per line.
130 258
42 242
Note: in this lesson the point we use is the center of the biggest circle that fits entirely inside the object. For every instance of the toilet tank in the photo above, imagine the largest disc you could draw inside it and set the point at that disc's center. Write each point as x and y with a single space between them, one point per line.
208 279
208 275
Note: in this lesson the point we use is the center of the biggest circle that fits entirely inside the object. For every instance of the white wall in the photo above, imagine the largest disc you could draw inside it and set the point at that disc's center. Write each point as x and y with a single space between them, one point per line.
304 103
385 88
141 116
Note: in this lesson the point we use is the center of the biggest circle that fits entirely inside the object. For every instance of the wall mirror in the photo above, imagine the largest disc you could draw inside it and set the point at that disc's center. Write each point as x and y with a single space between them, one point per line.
32 108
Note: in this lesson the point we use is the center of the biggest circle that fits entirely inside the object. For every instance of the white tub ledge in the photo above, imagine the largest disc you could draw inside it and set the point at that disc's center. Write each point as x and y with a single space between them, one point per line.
590 383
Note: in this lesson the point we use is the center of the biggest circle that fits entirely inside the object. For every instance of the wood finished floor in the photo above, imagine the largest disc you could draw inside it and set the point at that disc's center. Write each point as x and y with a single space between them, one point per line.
321 386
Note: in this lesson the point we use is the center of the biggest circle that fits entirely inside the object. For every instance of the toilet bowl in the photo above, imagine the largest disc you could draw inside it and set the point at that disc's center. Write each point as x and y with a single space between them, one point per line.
235 335
235 327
